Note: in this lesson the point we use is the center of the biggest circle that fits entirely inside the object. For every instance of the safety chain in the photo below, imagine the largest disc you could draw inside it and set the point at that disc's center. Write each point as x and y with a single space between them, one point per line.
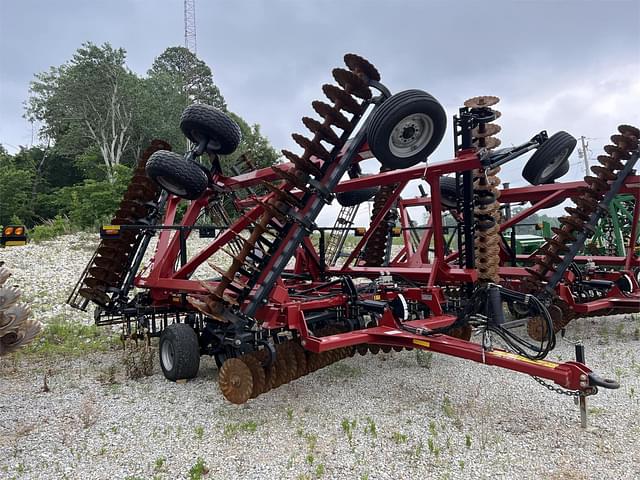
562 391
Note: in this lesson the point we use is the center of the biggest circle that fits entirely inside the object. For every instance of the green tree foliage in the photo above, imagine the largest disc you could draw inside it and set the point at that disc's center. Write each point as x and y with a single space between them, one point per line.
16 182
97 117
89 101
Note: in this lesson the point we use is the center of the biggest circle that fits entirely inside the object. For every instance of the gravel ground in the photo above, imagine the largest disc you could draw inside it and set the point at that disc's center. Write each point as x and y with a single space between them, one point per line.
373 417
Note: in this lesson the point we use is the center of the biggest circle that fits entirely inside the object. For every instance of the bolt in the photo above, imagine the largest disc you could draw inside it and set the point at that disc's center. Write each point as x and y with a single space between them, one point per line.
303 342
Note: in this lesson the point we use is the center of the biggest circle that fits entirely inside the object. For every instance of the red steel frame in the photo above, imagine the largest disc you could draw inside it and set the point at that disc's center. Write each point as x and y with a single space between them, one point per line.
431 270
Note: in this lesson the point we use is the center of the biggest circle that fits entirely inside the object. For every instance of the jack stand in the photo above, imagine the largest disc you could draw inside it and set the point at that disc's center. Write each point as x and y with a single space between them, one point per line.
582 400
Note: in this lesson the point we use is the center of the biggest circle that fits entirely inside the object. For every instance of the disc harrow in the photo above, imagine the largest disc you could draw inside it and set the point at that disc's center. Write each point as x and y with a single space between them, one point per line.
16 328
278 310
623 145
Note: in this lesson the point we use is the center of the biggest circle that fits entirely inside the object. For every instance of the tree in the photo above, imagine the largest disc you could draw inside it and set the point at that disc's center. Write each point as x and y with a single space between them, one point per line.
15 194
190 75
88 101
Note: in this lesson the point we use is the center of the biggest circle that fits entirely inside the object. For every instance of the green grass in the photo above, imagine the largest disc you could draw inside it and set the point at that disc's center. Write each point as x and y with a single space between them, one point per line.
198 470
62 337
232 429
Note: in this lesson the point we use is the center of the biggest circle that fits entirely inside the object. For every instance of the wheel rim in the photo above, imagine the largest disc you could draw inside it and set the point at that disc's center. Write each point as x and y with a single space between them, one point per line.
167 355
170 186
411 135
551 166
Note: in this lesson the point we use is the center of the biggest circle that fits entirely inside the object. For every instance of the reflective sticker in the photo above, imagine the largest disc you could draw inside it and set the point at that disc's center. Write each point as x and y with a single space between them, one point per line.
515 356
392 332
422 343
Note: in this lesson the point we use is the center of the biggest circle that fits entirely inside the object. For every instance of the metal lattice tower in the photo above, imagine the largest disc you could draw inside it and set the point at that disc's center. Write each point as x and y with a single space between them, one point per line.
190 25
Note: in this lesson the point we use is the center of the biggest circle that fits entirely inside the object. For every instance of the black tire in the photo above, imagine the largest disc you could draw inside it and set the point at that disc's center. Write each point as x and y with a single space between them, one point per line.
449 192
406 129
356 197
179 352
181 177
201 121
551 159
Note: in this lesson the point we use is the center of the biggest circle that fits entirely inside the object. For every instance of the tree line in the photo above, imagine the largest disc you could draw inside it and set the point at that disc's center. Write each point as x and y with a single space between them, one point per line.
96 116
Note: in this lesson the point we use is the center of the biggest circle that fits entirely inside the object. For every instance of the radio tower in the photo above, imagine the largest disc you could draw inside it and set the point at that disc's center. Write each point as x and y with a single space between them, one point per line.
190 25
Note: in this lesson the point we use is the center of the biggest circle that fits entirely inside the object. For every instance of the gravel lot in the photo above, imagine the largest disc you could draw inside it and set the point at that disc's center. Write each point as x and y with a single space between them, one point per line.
373 417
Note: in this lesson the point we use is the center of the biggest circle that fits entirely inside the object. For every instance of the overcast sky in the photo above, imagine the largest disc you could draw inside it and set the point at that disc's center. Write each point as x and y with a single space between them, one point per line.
556 65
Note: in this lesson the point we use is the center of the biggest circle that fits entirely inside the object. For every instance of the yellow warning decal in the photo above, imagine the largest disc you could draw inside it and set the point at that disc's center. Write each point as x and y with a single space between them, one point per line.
515 356
422 343
377 297
111 227
15 243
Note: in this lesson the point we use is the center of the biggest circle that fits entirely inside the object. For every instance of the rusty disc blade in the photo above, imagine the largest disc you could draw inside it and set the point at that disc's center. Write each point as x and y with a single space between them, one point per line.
96 284
610 162
375 349
535 273
357 64
629 131
312 147
617 152
95 296
290 360
624 142
301 359
597 183
342 99
298 179
603 173
546 264
553 256
323 131
586 204
563 234
331 115
488 143
556 244
235 380
573 222
352 83
362 349
103 274
537 328
481 101
489 129
257 375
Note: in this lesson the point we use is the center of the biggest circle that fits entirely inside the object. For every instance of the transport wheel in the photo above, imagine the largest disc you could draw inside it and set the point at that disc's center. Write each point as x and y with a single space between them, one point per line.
356 197
551 159
448 192
178 176
204 122
179 352
406 129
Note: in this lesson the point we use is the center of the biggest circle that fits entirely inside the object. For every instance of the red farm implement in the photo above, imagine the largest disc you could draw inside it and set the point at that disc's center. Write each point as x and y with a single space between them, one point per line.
284 304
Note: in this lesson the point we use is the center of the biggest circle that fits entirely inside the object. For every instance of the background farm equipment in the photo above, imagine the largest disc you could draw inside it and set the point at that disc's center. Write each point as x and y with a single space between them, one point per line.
283 307
13 236
16 328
